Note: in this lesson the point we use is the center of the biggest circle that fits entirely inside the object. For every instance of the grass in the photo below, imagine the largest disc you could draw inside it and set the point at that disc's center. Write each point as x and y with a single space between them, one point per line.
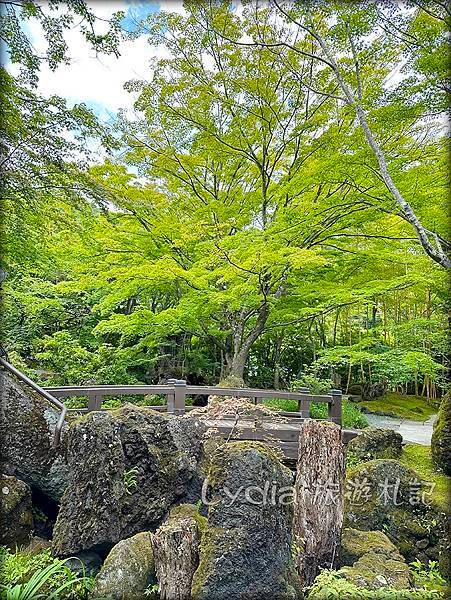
394 404
419 458
353 418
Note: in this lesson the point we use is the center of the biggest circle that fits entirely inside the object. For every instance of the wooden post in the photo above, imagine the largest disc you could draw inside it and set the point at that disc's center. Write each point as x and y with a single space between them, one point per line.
94 402
304 404
171 397
335 407
179 396
319 493
176 555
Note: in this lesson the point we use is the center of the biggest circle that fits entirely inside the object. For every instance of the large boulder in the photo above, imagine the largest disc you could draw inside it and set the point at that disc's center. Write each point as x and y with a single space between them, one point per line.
441 436
27 425
356 543
127 571
376 443
16 515
245 551
127 468
385 495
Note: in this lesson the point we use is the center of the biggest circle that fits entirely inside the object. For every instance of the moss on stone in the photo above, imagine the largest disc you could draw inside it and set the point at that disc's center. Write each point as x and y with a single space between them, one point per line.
356 543
414 527
374 571
420 459
185 511
441 436
210 547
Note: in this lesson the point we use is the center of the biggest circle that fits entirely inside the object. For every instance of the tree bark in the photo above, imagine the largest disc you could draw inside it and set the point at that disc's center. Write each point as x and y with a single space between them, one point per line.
319 497
176 554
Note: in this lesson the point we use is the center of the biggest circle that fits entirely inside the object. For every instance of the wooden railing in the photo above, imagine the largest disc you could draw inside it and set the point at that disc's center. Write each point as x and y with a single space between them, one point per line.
177 390
285 434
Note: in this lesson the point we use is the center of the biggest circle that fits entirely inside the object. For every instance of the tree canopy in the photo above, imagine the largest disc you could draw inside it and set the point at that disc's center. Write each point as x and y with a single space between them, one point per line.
275 210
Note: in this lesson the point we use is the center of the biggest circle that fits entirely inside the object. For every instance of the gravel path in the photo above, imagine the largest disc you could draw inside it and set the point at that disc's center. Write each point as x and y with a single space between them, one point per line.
411 431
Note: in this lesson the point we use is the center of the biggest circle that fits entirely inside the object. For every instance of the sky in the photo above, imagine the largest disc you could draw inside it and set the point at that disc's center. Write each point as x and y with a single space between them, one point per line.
98 80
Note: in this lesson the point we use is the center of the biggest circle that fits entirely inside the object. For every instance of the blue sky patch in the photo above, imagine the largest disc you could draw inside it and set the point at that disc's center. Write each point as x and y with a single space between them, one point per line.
136 12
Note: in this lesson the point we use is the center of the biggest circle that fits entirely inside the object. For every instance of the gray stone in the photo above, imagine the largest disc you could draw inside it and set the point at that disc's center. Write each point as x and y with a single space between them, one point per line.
245 549
16 516
376 443
127 571
127 468
385 495
27 425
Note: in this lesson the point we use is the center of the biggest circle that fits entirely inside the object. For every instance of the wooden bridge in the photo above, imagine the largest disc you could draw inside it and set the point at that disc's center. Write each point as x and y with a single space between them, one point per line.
283 432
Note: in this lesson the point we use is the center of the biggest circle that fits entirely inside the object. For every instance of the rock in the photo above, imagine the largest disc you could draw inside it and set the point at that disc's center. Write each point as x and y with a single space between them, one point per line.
15 512
245 550
37 545
176 552
386 495
127 571
127 468
376 570
27 425
85 563
319 498
373 390
441 436
376 443
356 543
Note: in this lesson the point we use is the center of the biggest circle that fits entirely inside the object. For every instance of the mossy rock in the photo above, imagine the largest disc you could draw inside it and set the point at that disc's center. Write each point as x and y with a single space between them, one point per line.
374 443
128 467
127 571
385 495
441 436
16 515
375 570
356 543
245 549
27 430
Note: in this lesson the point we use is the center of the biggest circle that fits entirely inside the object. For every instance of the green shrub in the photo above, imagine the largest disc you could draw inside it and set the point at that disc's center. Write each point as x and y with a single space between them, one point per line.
353 418
30 577
428 576
332 585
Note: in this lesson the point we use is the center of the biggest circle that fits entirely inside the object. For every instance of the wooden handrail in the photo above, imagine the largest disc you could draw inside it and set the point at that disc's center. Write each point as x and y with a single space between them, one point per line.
45 394
176 391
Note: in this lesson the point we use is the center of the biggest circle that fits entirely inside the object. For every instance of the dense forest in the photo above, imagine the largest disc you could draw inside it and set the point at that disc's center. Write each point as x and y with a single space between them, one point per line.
273 210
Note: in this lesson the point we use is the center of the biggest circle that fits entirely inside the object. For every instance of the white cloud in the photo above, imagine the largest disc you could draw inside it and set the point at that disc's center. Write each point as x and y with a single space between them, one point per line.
98 80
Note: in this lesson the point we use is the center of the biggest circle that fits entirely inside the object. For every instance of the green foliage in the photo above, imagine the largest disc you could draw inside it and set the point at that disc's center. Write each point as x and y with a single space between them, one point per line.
245 230
14 28
352 417
331 584
428 576
32 576
130 482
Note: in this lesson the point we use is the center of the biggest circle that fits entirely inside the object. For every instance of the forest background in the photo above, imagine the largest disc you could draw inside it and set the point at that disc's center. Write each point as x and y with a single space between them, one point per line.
272 209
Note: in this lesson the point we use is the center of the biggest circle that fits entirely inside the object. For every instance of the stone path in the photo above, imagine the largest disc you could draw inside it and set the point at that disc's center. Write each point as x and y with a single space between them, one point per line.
411 431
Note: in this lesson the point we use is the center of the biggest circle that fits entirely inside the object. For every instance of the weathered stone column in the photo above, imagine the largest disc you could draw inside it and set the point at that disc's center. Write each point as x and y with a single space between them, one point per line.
319 498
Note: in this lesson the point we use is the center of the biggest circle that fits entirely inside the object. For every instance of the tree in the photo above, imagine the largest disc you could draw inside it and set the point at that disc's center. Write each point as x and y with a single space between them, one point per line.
347 42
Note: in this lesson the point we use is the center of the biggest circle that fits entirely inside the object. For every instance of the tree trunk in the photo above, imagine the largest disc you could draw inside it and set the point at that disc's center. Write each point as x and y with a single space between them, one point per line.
319 496
236 361
176 554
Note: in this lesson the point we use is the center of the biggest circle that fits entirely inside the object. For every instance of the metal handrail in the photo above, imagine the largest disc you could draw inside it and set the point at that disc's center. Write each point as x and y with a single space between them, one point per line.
45 394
